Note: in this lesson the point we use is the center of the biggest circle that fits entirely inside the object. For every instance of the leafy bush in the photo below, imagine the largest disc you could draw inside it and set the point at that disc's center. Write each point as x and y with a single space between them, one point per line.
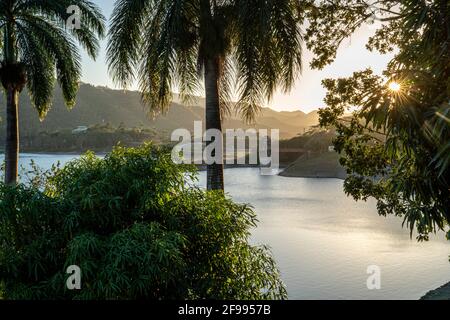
136 230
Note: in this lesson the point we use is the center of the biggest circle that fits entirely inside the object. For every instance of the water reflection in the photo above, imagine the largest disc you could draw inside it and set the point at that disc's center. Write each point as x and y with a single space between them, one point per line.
324 241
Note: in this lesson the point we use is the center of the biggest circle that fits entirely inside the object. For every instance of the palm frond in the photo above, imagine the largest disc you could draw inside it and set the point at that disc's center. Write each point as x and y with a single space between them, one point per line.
170 54
268 50
125 38
257 42
92 24
57 44
47 48
40 68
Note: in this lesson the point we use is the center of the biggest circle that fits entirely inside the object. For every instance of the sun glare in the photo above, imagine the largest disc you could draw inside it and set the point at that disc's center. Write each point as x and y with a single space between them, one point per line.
395 86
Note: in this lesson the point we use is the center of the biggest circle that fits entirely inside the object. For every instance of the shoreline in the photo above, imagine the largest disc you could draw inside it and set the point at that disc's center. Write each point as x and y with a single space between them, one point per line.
338 176
283 169
319 166
441 293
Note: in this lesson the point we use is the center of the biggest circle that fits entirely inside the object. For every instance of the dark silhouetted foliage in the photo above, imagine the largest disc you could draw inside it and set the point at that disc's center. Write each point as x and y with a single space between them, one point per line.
400 136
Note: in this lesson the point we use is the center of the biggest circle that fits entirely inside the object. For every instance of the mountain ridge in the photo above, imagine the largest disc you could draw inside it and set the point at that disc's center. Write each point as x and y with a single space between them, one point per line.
102 105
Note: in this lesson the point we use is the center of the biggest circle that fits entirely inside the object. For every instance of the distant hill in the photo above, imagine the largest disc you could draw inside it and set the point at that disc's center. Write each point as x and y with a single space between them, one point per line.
100 105
323 165
316 159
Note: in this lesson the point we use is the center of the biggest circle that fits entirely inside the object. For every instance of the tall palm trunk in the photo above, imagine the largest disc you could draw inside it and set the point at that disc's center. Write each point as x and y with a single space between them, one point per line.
13 77
213 120
12 136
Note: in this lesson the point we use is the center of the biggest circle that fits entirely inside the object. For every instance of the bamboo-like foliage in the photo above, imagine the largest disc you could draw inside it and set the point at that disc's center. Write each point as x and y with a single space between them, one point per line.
135 230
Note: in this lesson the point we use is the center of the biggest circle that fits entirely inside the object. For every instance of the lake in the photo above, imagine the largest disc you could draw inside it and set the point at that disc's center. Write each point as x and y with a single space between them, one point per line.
324 241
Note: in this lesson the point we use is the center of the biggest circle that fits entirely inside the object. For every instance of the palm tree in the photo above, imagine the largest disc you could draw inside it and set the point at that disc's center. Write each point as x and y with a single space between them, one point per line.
248 47
38 50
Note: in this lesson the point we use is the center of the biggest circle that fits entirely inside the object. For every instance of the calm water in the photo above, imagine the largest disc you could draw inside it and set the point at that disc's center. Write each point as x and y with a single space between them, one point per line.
324 242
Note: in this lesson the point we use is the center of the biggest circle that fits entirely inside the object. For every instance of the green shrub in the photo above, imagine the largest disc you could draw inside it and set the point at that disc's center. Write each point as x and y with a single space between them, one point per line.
136 229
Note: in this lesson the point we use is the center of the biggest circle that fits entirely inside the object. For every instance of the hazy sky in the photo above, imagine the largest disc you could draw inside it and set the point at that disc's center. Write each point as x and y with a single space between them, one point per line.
307 94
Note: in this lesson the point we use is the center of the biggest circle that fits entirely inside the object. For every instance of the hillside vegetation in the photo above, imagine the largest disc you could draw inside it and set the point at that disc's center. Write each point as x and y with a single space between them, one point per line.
315 159
101 106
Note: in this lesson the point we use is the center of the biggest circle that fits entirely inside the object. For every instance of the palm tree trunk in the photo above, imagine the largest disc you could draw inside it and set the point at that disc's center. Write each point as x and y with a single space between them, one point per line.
12 137
213 120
